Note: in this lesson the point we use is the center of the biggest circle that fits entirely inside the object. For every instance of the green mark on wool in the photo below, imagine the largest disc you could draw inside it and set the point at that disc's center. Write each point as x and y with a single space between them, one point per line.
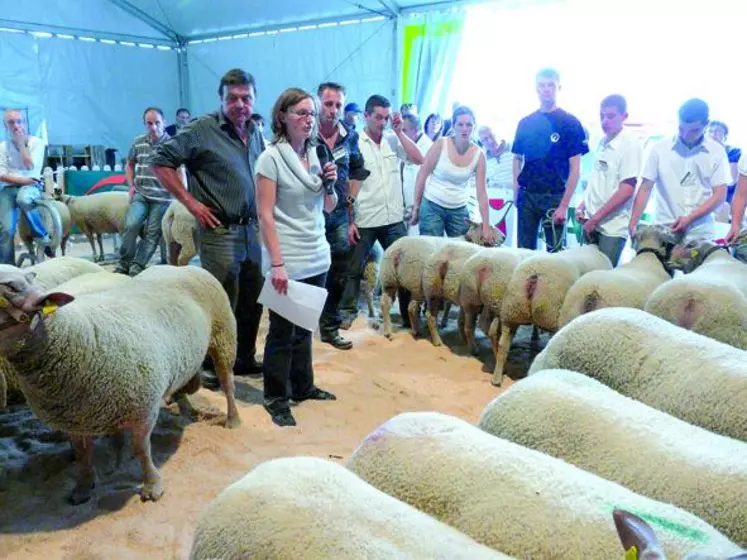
668 525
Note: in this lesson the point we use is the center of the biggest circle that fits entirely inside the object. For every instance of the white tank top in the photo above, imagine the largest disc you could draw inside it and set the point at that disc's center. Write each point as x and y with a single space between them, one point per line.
448 184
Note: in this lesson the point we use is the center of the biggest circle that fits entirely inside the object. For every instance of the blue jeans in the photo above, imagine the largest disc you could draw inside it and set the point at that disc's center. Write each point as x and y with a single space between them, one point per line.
134 256
532 209
434 219
11 200
8 223
610 246
336 229
232 255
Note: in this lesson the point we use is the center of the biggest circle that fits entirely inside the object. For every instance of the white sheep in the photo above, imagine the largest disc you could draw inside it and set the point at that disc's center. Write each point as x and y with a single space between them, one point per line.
98 213
49 274
537 290
93 366
628 285
441 280
687 375
27 236
179 227
578 419
402 269
710 299
306 507
482 284
510 498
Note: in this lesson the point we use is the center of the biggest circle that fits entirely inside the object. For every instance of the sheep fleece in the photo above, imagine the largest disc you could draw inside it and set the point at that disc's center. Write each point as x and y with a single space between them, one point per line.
687 375
511 498
105 361
575 418
305 507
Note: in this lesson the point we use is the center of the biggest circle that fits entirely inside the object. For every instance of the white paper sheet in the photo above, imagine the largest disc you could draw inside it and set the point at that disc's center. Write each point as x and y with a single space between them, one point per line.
302 305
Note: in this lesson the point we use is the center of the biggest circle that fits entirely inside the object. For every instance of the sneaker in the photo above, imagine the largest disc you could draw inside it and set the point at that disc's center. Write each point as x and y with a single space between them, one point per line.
316 394
337 341
121 270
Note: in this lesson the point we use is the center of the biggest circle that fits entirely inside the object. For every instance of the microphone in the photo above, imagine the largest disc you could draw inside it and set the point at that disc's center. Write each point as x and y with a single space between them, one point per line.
325 157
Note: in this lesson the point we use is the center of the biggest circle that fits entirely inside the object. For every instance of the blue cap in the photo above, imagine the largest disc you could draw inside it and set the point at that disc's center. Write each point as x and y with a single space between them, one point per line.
352 108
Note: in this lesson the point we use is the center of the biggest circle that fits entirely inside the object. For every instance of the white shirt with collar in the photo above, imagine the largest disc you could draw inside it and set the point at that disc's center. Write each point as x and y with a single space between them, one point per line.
11 162
614 161
380 201
684 179
742 165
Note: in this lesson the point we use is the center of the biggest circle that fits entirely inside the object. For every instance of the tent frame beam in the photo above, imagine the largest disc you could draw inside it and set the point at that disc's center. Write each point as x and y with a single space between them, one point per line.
278 27
148 20
31 27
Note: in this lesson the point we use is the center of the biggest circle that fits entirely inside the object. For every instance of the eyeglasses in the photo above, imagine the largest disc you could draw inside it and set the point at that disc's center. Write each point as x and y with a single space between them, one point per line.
303 113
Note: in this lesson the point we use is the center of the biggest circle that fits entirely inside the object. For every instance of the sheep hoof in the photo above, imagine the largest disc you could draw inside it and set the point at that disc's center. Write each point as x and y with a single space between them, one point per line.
81 494
151 491
233 422
496 383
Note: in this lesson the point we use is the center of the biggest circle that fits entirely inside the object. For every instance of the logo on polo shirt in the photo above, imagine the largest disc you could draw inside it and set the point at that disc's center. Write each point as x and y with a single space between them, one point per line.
554 137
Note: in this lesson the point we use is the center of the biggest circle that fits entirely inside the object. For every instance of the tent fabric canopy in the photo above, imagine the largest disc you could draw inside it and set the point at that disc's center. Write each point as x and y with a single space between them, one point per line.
182 20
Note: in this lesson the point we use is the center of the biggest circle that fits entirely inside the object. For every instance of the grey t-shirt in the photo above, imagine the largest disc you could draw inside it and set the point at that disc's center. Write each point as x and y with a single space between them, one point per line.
299 218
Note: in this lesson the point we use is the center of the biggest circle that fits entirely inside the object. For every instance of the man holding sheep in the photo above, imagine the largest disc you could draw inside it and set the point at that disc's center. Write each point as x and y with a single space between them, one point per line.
220 150
608 199
690 173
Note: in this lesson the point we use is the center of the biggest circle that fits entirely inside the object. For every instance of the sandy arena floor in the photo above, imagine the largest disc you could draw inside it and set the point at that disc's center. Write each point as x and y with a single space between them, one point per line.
198 458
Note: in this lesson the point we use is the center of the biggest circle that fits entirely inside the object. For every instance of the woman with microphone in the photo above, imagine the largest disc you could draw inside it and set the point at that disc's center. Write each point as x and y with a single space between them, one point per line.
291 193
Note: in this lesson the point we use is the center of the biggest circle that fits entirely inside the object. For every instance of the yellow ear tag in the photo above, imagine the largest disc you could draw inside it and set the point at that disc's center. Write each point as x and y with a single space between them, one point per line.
694 253
48 309
631 553
4 303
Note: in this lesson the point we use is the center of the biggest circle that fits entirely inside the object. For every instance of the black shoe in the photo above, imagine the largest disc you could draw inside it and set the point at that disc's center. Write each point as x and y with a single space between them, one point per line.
281 417
251 367
122 270
49 252
316 394
337 341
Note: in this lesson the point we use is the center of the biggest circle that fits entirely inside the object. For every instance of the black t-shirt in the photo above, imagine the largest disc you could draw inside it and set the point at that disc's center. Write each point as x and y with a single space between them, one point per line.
547 141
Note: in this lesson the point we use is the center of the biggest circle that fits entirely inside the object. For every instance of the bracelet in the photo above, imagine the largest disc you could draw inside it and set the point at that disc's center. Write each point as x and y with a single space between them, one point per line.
277 265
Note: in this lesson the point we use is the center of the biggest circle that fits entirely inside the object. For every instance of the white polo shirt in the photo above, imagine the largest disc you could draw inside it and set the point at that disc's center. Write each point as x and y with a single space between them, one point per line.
614 161
684 178
11 162
380 201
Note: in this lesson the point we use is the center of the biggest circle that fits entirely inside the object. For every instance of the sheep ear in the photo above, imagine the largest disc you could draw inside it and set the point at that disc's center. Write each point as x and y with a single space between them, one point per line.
634 531
49 303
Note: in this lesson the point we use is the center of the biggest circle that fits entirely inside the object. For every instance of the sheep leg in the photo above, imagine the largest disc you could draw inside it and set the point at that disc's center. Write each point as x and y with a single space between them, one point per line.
492 331
63 245
445 316
152 483
431 312
93 246
460 326
370 302
224 371
501 354
83 491
535 333
100 239
413 311
469 322
386 306
174 253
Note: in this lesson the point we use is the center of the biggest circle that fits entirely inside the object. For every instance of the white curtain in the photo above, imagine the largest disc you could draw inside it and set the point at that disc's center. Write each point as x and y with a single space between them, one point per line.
431 44
359 56
79 92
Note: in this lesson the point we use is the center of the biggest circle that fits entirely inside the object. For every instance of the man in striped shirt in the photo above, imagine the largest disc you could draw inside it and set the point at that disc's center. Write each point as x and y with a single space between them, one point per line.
220 150
148 199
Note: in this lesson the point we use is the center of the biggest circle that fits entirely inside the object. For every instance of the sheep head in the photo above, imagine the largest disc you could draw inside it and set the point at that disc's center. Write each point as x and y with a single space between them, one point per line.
689 256
474 234
640 541
656 237
21 303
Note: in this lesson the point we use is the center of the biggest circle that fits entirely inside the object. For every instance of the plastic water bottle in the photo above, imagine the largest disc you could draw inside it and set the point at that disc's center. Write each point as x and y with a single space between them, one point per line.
84 168
107 167
118 167
97 167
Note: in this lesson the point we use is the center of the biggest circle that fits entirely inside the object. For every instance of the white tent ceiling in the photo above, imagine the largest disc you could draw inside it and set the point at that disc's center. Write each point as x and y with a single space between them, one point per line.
169 21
